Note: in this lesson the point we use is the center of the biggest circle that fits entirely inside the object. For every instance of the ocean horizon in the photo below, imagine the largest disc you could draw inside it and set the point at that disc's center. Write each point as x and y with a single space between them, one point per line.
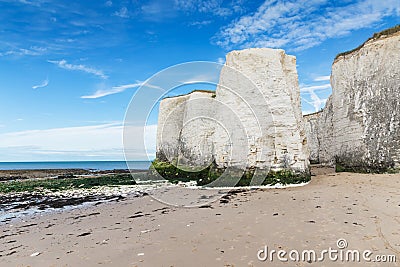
87 165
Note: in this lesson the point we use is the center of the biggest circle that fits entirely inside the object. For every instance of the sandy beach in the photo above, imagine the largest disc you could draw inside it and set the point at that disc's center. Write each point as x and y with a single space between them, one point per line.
362 209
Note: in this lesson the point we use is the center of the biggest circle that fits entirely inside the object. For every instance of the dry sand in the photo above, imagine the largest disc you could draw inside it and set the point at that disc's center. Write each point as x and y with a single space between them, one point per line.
363 209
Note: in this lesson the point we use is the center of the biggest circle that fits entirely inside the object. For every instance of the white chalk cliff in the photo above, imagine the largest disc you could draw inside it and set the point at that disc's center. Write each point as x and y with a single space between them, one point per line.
185 131
260 87
360 126
253 120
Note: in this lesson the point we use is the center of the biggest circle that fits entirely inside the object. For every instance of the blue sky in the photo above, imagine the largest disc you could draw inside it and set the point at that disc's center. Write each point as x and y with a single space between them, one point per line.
68 69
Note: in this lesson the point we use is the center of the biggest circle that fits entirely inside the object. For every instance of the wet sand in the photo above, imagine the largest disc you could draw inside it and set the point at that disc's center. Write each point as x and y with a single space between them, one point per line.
140 231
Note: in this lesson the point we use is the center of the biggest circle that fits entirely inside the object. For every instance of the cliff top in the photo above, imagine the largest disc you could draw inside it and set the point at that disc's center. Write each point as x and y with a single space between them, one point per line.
312 114
194 91
383 34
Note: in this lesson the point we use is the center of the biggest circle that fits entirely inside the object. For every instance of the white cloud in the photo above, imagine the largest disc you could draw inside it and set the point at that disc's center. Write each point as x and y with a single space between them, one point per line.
64 65
322 78
315 87
216 7
113 90
199 5
32 51
117 89
200 24
221 60
122 13
223 11
103 141
316 101
31 3
299 25
43 84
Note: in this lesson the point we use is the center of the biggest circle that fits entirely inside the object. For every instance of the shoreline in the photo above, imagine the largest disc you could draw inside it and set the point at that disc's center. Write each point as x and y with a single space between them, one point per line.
16 204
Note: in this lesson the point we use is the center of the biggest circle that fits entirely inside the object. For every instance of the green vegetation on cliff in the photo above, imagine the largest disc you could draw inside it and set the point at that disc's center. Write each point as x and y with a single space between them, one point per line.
377 35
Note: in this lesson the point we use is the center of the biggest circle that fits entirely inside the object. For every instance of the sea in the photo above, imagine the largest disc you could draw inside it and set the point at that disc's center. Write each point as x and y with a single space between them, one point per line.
36 204
87 165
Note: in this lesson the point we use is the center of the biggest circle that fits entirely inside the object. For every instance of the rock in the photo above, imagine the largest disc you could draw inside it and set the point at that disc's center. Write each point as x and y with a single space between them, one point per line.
253 120
35 254
170 123
313 133
359 128
185 132
260 87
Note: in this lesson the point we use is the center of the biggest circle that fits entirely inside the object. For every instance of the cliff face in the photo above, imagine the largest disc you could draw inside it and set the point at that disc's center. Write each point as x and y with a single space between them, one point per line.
312 129
360 125
185 132
253 121
260 86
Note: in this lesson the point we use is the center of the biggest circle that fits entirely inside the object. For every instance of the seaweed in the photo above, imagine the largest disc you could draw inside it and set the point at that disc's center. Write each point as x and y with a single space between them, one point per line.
60 184
348 164
205 176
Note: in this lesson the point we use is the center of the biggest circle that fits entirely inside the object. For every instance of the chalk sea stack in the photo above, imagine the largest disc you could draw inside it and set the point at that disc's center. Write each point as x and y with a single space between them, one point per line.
184 134
252 122
268 105
359 129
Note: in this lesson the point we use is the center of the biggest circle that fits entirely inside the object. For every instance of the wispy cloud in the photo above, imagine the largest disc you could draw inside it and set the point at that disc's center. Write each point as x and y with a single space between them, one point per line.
41 85
117 89
315 87
199 5
31 3
316 101
322 78
200 24
114 90
215 7
65 65
298 26
122 13
32 51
